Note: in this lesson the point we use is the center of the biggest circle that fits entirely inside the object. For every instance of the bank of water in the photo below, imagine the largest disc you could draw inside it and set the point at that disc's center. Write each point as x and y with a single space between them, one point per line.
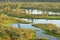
39 32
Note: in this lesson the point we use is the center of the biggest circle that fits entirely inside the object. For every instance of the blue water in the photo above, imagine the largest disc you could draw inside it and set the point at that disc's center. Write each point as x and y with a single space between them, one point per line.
36 21
39 32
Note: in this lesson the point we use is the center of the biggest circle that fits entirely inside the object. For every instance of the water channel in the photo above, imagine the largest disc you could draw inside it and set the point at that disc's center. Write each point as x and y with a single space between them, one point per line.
39 32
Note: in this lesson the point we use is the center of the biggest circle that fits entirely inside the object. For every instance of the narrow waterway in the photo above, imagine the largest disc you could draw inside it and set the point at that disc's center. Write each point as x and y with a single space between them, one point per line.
37 21
39 32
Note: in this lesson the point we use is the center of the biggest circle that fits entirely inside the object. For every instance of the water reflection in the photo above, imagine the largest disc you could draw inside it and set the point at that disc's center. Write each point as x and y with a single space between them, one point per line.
39 32
57 22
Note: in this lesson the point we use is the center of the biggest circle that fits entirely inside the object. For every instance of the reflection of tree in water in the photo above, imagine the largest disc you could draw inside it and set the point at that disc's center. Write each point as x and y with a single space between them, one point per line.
32 20
18 25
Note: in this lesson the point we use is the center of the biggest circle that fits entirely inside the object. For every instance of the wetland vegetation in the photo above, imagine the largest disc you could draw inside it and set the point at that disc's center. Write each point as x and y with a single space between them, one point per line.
12 13
50 29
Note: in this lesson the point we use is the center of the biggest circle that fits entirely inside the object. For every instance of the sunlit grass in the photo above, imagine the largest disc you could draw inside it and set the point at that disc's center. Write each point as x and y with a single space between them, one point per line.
11 33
